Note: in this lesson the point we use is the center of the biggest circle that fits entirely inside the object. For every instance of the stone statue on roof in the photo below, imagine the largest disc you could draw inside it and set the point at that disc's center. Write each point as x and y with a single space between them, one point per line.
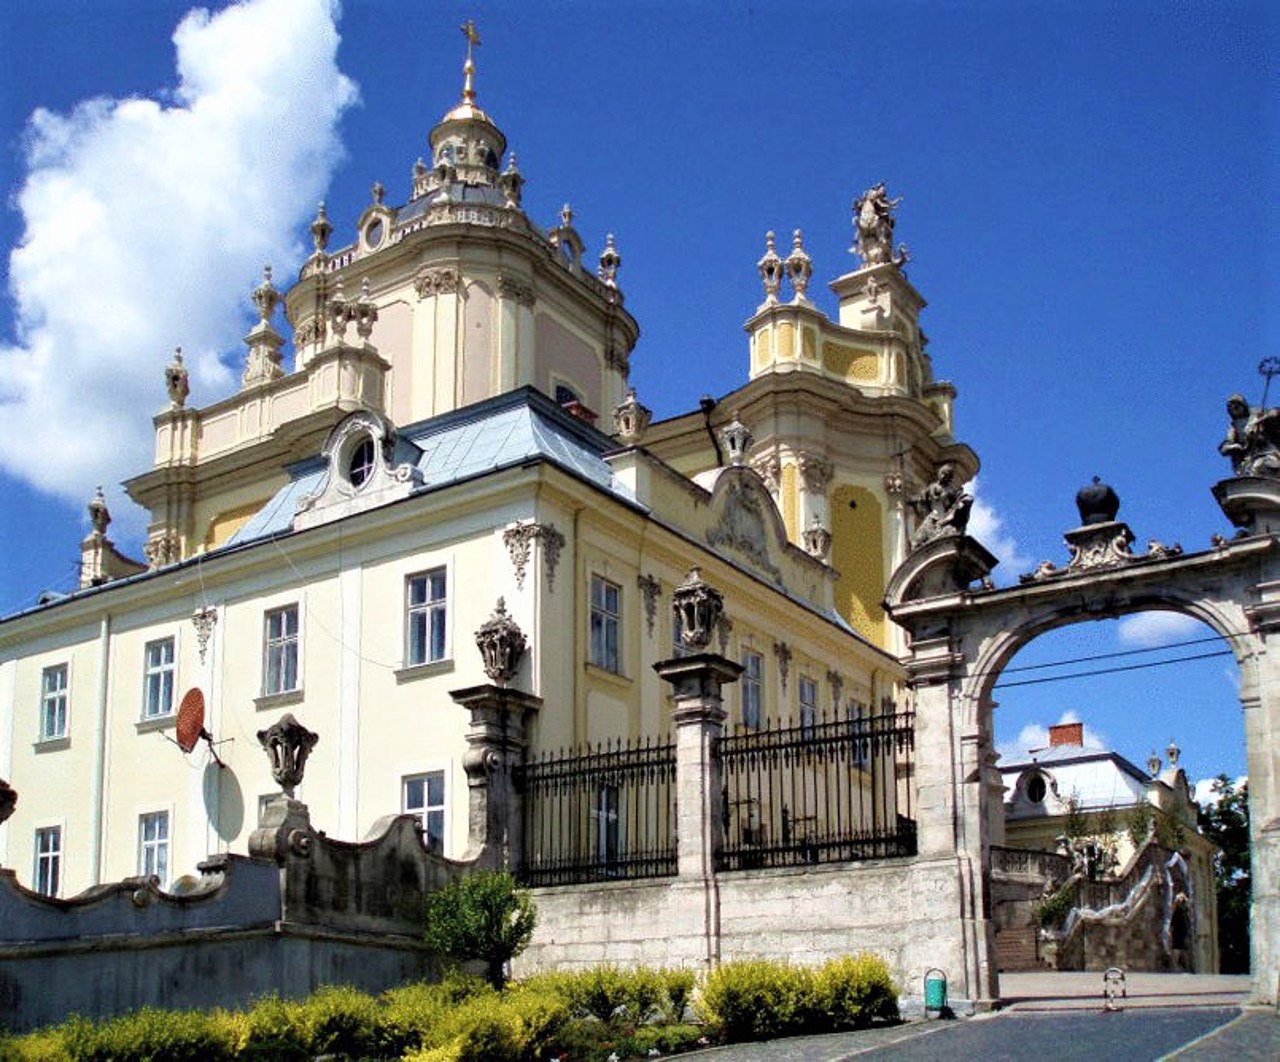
942 507
1253 438
873 222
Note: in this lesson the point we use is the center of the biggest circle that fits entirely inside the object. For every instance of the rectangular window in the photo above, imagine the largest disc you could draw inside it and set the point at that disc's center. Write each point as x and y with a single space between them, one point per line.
424 797
751 682
53 702
48 868
605 814
157 697
808 702
426 605
280 650
153 845
605 618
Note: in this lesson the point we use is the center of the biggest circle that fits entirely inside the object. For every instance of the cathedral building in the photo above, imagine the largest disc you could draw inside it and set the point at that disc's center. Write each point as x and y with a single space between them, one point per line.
443 431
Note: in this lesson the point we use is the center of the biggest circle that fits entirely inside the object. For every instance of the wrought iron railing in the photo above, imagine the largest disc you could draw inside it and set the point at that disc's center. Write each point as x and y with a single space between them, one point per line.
822 792
599 814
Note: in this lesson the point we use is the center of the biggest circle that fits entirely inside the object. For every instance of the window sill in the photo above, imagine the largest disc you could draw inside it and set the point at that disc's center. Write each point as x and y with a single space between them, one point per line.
56 744
614 677
156 722
278 700
411 672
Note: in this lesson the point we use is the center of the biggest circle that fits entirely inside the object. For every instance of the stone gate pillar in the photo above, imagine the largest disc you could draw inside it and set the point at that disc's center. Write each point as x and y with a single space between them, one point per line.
496 743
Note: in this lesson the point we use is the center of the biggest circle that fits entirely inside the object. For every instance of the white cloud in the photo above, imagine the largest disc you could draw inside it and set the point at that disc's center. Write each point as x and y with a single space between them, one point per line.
1151 629
987 526
146 224
1203 790
1036 736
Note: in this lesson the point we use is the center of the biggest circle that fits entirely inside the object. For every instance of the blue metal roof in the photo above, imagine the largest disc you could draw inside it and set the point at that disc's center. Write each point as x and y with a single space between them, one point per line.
504 432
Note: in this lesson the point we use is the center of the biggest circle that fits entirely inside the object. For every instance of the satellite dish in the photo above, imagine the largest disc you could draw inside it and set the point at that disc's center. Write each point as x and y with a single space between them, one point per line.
190 726
191 719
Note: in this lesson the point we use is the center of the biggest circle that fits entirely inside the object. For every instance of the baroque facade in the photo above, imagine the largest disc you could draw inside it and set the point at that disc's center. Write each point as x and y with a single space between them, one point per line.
447 439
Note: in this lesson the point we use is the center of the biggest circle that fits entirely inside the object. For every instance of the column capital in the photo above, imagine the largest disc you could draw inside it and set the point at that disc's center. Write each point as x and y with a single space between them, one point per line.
698 677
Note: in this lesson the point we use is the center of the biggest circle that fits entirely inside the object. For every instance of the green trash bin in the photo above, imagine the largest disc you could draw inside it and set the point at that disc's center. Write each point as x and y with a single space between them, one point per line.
935 992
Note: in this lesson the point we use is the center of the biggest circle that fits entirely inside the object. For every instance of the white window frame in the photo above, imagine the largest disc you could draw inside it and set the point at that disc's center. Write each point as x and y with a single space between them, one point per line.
61 696
601 622
427 809
808 705
751 689
432 609
270 644
161 706
155 851
47 861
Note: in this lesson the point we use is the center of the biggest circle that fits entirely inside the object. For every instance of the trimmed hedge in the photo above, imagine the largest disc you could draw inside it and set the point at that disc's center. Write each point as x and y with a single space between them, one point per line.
587 1015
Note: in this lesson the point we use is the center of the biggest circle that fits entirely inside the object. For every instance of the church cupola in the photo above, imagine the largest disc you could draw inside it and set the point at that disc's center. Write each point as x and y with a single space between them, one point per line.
466 147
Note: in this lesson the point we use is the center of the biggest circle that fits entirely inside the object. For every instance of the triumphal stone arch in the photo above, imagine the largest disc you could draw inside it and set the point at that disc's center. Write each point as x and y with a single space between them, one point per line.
964 631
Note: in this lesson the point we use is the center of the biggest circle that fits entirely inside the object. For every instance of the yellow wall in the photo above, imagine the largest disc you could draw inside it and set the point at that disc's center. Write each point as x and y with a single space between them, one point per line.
857 553
860 366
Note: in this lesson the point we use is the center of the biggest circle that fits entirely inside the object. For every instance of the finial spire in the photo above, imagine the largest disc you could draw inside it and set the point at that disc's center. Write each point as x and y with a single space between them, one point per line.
469 67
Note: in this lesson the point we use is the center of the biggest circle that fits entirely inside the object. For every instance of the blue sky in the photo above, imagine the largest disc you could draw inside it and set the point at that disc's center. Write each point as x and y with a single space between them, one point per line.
1088 196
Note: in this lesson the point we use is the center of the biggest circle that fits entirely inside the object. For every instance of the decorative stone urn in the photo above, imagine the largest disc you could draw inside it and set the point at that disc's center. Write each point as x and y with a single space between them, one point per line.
698 608
502 644
288 744
1097 502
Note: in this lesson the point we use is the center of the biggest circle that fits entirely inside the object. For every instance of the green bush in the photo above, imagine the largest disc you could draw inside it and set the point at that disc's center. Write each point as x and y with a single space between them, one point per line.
144 1035
853 991
516 1027
754 999
409 1013
276 1028
481 916
677 990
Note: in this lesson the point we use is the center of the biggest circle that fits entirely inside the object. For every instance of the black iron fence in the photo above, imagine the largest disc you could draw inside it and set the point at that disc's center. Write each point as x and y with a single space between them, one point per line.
822 792
599 814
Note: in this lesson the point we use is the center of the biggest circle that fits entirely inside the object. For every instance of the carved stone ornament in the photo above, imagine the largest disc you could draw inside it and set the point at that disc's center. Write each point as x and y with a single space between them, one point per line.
631 418
610 261
816 473
799 267
942 508
737 440
519 542
8 800
511 182
894 484
873 223
769 468
438 282
1252 443
177 381
99 514
817 540
836 681
743 527
204 620
698 608
724 628
783 652
650 589
516 290
162 549
502 644
321 230
770 267
288 744
309 331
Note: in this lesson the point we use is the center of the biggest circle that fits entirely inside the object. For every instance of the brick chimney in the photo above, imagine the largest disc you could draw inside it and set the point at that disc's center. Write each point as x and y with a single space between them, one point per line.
1066 734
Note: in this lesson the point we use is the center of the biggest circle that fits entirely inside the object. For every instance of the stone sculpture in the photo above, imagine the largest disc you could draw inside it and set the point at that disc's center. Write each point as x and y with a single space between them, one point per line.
942 507
176 381
873 222
501 644
1253 439
698 608
288 744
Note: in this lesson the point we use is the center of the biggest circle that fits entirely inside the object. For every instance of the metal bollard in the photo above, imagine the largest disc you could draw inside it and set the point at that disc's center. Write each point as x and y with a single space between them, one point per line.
1113 988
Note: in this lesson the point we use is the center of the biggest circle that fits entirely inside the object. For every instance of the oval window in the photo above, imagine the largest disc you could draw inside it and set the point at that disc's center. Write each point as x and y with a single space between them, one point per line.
360 467
1036 789
373 233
